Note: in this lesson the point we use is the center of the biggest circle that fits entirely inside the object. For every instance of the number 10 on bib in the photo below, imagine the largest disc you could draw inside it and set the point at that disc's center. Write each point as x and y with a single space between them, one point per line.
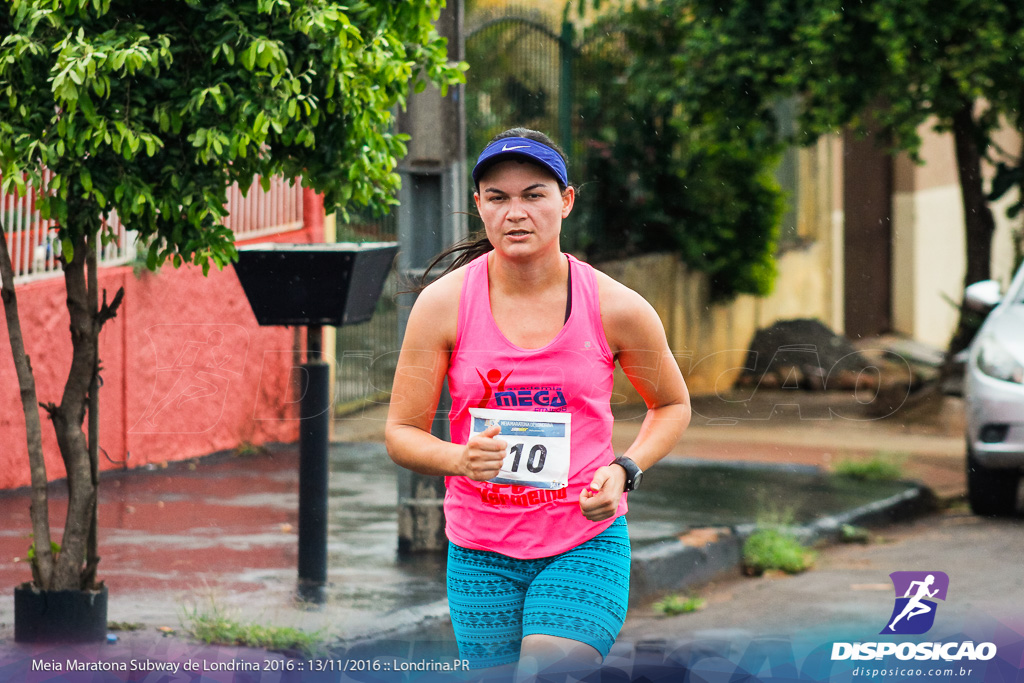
538 446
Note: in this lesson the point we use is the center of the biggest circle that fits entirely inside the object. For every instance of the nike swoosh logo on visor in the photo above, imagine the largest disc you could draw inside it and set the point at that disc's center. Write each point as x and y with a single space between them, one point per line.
506 148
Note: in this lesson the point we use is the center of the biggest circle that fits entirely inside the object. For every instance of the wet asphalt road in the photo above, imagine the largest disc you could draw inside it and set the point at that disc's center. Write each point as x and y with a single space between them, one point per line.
847 596
849 593
772 626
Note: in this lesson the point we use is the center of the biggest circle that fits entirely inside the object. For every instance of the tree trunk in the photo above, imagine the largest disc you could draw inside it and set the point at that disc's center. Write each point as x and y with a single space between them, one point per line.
68 419
39 509
979 224
92 558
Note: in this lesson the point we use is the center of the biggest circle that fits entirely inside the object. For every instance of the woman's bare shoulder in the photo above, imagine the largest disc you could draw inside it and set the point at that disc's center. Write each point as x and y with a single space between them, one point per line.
616 298
445 288
627 317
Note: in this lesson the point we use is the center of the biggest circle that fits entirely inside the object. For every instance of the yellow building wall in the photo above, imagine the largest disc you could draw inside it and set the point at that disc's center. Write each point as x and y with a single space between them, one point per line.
710 340
929 251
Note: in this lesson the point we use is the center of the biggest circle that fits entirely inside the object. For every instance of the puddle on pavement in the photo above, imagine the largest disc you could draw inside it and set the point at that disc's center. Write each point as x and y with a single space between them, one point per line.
678 495
227 525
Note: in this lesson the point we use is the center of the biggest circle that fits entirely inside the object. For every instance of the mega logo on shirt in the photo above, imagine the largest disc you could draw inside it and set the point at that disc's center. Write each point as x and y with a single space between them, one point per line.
536 397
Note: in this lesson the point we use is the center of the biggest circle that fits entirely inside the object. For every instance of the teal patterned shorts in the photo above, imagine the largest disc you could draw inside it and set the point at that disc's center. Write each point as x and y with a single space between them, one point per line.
496 600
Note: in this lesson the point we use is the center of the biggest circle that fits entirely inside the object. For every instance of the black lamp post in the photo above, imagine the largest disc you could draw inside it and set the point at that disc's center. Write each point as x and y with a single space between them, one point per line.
314 285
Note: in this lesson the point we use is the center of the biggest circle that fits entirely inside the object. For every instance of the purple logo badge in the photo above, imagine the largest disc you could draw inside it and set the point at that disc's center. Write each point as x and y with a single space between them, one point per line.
916 592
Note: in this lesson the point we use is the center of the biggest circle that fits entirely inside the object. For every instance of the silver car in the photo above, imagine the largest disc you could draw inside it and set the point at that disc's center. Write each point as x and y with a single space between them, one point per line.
994 397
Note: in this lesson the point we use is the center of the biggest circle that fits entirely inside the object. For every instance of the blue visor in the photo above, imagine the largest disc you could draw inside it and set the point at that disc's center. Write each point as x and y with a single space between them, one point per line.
521 148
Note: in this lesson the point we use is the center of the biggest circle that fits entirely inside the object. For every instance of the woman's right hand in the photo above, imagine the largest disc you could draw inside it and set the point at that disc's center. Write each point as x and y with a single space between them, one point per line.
483 455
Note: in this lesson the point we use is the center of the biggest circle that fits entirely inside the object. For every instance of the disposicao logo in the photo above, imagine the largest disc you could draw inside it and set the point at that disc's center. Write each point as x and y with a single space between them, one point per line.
914 614
916 592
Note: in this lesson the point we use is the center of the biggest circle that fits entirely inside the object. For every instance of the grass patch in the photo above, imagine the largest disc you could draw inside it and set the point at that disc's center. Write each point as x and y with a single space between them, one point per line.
774 548
247 448
678 604
882 467
217 628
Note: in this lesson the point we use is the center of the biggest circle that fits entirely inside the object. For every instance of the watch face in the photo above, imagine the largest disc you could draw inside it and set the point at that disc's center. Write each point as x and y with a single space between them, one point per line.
636 480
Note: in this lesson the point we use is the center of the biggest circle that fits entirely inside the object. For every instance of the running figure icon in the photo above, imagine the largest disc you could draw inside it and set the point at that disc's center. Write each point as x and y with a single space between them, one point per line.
917 594
915 606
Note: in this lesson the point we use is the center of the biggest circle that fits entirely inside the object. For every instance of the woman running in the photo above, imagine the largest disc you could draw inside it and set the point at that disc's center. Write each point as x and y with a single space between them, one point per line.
527 337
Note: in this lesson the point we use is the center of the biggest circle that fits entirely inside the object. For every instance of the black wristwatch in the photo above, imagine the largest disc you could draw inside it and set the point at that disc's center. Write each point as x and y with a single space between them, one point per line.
633 473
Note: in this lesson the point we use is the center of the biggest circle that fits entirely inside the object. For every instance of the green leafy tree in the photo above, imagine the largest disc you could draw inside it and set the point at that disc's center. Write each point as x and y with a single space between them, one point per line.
152 110
703 70
674 156
887 66
954 65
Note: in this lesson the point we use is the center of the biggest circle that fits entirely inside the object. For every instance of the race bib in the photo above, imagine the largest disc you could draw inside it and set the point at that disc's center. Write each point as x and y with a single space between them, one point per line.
538 446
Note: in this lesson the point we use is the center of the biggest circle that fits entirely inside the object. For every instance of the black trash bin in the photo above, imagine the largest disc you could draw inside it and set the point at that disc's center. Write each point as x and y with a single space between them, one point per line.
314 284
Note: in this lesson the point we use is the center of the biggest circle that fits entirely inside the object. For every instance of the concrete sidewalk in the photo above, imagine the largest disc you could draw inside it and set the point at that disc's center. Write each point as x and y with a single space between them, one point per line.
217 536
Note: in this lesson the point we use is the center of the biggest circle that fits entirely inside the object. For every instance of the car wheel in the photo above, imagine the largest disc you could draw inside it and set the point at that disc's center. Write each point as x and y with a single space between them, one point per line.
992 492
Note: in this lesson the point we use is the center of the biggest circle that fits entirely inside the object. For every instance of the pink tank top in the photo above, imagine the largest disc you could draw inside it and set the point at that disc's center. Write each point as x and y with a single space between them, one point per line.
573 373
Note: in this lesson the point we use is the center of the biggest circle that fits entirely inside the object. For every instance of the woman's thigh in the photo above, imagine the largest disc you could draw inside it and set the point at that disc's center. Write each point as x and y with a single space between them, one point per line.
485 598
582 594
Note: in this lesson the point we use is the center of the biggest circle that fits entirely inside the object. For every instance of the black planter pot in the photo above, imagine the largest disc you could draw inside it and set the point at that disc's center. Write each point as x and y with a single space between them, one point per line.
59 616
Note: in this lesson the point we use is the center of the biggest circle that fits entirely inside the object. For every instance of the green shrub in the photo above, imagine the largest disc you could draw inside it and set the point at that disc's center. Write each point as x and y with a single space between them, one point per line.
662 168
773 548
678 604
882 467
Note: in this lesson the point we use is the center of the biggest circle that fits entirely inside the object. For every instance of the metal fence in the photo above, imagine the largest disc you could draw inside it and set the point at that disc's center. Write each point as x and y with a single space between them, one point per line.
525 69
35 251
521 75
261 213
530 69
367 353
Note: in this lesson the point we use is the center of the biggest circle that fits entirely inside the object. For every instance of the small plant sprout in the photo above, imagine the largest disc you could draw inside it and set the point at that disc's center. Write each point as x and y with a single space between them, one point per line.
848 533
678 604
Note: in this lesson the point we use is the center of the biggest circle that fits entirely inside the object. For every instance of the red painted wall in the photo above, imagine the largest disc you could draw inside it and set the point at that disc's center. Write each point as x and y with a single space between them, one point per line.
186 369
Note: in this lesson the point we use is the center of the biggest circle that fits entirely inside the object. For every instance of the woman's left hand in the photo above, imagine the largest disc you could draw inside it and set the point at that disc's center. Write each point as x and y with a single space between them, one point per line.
601 499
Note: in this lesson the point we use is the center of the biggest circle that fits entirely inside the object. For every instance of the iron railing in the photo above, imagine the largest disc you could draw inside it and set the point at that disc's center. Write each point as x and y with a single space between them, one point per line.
264 213
35 251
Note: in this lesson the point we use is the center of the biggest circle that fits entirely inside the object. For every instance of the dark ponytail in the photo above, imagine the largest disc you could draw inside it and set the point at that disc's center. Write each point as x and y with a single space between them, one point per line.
477 244
461 253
